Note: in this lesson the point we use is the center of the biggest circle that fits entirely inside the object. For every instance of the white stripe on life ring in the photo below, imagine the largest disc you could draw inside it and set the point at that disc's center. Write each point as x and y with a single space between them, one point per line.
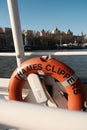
70 80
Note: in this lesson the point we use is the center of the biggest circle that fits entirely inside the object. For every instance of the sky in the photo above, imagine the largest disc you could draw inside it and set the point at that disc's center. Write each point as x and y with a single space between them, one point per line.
48 14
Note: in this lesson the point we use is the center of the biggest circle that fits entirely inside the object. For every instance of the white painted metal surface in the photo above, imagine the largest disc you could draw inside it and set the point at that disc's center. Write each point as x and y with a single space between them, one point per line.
37 88
64 53
39 91
36 117
4 82
16 30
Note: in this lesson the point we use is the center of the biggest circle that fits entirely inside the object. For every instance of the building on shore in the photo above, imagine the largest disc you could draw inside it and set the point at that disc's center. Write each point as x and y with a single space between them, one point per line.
42 40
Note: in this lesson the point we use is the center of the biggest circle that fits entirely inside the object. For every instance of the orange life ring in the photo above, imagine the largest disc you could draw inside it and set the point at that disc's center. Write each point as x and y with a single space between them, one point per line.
58 70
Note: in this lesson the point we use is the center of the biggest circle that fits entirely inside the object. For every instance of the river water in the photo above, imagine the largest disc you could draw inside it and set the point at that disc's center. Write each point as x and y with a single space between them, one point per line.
77 63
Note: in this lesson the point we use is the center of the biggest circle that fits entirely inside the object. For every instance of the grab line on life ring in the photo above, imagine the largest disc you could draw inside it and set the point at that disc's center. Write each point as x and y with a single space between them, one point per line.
57 70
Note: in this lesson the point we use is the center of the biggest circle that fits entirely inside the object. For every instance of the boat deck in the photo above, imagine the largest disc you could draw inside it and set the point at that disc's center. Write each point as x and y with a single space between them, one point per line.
4 95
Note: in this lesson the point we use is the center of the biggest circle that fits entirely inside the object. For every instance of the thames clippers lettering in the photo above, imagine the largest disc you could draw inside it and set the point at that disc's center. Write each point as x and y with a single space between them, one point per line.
58 71
74 85
70 80
28 69
75 88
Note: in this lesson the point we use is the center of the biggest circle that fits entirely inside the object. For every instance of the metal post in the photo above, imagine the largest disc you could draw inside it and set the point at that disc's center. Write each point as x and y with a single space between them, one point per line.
16 30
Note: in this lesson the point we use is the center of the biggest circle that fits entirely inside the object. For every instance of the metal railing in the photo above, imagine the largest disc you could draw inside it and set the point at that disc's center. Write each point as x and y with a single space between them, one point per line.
63 53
